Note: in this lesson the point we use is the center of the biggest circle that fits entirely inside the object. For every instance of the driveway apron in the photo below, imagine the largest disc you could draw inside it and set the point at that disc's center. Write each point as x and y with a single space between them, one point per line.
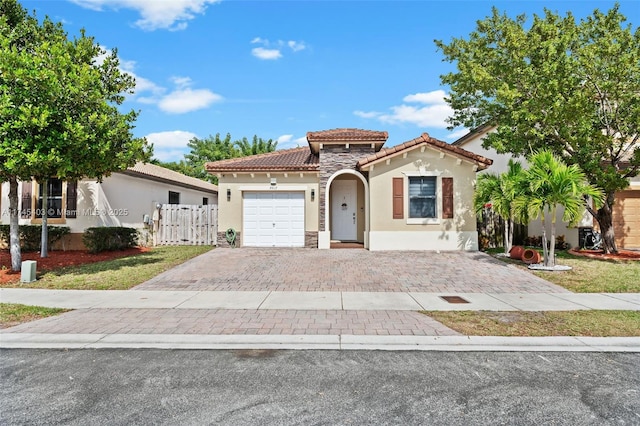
374 288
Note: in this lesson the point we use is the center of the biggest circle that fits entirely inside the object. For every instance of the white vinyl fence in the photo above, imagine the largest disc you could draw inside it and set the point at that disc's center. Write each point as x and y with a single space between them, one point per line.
182 224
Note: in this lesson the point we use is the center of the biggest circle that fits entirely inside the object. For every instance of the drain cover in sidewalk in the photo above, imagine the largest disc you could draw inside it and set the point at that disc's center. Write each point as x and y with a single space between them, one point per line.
454 299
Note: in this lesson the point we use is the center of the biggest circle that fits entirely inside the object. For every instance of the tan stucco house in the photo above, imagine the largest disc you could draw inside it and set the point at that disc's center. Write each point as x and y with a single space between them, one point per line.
344 186
626 211
128 198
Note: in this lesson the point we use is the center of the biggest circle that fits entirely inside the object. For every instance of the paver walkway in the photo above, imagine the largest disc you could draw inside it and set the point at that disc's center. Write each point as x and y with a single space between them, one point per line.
257 269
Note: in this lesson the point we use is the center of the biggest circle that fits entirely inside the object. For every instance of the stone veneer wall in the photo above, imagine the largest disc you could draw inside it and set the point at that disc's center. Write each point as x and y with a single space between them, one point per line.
334 158
311 239
222 240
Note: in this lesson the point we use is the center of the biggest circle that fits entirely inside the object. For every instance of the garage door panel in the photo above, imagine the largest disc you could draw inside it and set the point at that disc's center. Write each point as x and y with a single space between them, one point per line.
626 219
273 219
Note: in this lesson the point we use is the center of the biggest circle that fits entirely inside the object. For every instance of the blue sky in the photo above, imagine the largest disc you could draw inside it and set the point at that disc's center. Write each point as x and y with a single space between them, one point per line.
278 69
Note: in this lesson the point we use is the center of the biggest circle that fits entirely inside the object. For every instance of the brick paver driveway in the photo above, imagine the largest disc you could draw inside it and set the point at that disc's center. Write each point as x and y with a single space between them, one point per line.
256 269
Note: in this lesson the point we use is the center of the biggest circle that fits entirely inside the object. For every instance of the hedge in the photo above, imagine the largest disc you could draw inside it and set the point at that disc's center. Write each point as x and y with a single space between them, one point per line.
31 235
107 238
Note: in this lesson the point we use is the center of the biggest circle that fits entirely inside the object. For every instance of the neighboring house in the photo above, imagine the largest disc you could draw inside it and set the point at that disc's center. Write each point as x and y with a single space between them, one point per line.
626 212
345 187
128 198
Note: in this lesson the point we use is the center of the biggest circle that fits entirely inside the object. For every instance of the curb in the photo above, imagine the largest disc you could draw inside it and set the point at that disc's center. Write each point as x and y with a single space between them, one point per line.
324 342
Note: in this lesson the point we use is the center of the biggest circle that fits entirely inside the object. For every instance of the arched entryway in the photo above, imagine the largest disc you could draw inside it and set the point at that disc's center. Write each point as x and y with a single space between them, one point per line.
347 207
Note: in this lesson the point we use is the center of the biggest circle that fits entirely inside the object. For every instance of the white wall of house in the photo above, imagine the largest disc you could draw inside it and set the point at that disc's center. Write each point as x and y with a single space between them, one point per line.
120 200
500 165
387 233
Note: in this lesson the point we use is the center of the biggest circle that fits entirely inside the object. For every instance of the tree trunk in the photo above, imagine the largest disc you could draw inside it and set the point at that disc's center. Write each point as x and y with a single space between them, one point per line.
552 245
545 251
44 250
14 231
605 220
508 235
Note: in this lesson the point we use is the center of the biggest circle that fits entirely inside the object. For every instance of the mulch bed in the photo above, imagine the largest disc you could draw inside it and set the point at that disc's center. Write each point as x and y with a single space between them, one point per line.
59 259
599 254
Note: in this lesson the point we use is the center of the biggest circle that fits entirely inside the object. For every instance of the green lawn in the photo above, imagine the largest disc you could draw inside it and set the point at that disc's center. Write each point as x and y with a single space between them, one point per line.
13 314
118 274
590 275
551 323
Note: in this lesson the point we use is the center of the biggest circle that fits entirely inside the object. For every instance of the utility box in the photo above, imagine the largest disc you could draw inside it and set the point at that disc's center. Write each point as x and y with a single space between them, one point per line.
28 271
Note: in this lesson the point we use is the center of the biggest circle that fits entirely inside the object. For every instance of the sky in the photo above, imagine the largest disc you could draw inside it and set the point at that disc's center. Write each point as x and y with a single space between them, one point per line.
279 69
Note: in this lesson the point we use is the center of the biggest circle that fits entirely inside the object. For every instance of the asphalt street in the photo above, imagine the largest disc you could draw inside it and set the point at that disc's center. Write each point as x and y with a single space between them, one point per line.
266 387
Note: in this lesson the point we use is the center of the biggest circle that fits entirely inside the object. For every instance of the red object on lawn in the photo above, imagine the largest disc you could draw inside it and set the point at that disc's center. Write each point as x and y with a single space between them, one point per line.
516 252
530 256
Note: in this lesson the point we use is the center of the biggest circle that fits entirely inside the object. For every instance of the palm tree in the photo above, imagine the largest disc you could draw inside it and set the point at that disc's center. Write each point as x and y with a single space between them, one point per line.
256 146
551 184
501 191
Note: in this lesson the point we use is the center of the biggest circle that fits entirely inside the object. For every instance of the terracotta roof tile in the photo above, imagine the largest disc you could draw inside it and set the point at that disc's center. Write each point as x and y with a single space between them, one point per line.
295 159
347 134
427 140
154 172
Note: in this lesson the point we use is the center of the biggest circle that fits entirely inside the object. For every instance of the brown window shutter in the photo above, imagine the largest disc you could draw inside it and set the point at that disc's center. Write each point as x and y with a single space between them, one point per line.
25 213
398 198
447 198
72 199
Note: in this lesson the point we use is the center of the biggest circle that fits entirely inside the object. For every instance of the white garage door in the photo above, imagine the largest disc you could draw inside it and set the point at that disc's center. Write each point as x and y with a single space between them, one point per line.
273 219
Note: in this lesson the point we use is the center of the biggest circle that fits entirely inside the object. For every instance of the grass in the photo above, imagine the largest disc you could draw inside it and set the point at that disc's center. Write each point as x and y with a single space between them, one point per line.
13 314
552 323
117 274
589 275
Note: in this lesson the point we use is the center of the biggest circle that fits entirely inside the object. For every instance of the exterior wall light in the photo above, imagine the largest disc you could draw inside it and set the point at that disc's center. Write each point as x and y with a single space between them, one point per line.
313 194
228 194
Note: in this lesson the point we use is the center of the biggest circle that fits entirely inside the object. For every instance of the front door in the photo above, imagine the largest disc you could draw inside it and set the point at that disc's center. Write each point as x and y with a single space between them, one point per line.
343 210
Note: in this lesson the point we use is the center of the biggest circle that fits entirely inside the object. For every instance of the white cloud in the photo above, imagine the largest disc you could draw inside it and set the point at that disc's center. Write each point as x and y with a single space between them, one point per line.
273 50
287 141
296 46
284 138
186 100
433 114
370 114
454 136
266 54
164 14
170 139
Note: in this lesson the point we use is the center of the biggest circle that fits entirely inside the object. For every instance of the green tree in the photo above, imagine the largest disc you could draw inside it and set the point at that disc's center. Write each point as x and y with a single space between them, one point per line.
211 148
570 87
552 183
256 146
501 191
59 113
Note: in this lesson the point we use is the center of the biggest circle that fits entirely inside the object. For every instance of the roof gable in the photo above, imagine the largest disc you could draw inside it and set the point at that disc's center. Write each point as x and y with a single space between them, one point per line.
346 136
295 159
426 140
162 174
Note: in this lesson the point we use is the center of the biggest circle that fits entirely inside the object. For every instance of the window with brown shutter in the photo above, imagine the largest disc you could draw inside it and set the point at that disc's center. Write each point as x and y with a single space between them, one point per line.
72 200
398 198
25 213
447 198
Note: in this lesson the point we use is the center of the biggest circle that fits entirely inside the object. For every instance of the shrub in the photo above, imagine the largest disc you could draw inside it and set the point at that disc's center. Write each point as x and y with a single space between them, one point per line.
536 241
30 235
109 238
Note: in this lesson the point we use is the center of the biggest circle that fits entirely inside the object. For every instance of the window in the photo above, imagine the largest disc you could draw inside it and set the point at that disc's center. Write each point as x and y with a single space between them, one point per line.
174 197
54 199
422 197
205 201
61 200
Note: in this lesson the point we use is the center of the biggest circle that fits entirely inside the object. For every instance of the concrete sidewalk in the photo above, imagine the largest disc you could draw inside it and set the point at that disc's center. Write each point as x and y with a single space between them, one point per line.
291 320
318 300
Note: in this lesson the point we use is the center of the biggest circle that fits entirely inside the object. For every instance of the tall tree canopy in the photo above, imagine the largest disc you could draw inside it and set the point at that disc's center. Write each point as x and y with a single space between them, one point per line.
59 106
571 87
215 148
